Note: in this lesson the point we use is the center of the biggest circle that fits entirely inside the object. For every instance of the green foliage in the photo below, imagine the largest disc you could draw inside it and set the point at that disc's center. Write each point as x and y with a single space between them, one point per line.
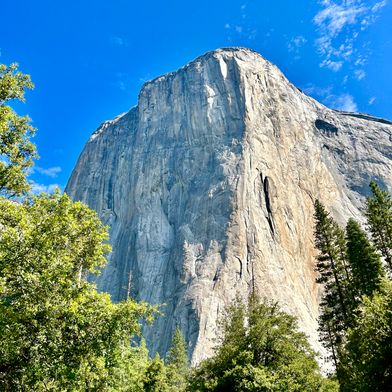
156 377
57 331
16 150
361 341
379 219
177 363
365 263
133 362
262 350
367 359
335 275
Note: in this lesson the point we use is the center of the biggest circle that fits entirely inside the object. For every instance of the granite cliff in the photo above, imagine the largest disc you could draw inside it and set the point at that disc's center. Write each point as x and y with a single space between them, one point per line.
208 187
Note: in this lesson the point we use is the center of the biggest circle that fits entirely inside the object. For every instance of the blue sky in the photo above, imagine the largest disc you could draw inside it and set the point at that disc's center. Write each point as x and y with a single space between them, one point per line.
89 58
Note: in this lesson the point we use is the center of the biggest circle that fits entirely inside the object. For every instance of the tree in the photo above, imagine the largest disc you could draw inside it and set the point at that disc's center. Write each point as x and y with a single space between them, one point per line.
365 263
177 363
379 218
156 377
56 331
368 351
262 350
130 374
335 275
361 340
17 152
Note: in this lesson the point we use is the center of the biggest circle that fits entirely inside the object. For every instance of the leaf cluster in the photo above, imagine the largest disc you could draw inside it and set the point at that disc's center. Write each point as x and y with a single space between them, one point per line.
17 152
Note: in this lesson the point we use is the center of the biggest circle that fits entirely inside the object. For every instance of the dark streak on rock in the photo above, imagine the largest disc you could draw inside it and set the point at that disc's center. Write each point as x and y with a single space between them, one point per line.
239 260
271 225
266 187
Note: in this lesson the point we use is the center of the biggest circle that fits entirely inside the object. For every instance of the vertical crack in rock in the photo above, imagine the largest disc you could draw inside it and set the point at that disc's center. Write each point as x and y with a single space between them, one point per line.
240 263
266 188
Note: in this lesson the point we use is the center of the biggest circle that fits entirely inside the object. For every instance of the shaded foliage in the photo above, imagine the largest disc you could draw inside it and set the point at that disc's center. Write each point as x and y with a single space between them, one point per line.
365 263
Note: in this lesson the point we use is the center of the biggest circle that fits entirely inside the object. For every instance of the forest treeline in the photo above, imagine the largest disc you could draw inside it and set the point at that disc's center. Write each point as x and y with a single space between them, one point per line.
355 324
58 333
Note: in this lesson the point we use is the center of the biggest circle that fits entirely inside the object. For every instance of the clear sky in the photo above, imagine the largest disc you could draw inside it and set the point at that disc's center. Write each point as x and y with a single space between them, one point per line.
89 58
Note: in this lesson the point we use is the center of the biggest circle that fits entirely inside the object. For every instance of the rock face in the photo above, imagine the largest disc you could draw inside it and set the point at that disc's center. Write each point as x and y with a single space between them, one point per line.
208 187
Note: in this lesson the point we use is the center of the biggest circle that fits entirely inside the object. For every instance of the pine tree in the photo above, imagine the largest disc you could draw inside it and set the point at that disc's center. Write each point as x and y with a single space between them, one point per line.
379 219
365 263
334 275
331 261
177 363
156 377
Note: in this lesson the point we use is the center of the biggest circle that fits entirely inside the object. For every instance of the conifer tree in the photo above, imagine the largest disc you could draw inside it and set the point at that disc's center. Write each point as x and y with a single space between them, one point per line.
156 377
379 219
177 363
364 261
334 275
331 261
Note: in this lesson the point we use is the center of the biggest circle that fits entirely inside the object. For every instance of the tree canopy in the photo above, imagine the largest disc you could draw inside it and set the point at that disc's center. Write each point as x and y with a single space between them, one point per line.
367 359
17 152
58 332
262 350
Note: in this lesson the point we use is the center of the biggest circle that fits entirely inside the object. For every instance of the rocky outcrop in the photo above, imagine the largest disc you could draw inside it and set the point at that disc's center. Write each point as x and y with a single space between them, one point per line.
208 186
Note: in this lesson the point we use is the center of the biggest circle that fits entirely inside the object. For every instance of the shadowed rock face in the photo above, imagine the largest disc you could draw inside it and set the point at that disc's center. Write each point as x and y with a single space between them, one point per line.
208 187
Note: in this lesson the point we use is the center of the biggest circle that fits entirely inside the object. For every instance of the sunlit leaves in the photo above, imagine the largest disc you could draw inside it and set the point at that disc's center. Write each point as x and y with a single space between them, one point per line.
17 152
